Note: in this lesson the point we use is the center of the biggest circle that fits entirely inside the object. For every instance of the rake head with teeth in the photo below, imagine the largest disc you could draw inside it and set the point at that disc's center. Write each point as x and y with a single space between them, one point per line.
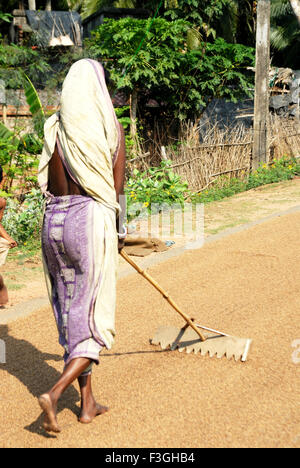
186 339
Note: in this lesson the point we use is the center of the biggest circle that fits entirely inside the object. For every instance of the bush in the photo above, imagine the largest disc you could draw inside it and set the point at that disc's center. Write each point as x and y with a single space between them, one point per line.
224 187
282 169
16 60
156 186
23 220
19 162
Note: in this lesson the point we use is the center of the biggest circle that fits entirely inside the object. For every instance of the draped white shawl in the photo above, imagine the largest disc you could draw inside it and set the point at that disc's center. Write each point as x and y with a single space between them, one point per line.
87 132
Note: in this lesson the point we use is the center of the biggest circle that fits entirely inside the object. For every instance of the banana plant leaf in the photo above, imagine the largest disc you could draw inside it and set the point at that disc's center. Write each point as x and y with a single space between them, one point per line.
35 105
5 133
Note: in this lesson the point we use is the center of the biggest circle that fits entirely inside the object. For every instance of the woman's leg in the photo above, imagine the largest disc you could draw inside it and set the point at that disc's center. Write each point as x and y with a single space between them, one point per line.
48 401
3 292
89 407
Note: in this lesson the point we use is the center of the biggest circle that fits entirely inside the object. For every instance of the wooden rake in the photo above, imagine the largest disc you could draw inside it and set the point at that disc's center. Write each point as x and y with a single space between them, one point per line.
189 337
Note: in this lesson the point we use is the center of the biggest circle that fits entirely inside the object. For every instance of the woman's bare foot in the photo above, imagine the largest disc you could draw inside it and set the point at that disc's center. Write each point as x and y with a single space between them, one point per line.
89 413
50 422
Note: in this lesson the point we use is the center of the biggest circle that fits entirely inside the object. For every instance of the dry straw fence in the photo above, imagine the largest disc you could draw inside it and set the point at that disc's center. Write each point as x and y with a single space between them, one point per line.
225 152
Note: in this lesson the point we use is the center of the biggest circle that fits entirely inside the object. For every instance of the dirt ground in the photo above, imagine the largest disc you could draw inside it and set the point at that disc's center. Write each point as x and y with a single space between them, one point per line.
246 284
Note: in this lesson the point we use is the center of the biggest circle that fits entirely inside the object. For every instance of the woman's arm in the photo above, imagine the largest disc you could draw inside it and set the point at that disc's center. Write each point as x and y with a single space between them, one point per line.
119 180
119 169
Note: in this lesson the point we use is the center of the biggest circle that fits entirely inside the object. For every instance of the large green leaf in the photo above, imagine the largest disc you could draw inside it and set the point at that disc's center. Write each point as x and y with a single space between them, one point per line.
5 133
35 105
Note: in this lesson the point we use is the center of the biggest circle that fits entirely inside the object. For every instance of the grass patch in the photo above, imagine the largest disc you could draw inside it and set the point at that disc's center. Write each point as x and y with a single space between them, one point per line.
27 251
280 170
14 286
228 226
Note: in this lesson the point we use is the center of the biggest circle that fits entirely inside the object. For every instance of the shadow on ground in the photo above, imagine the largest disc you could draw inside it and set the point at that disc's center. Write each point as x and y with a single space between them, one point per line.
30 367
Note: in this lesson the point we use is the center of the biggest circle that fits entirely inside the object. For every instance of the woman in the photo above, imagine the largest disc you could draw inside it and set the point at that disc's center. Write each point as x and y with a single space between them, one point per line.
81 173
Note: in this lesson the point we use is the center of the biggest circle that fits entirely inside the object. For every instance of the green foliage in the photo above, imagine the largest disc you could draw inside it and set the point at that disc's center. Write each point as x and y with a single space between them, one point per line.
181 79
285 34
16 60
285 168
19 163
88 7
31 143
223 187
201 15
7 148
35 106
6 17
220 71
23 221
18 154
156 186
233 20
5 133
122 114
118 40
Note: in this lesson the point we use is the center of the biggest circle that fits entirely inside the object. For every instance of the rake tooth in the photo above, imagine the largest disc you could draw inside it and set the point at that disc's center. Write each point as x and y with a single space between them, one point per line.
230 356
197 347
165 344
237 357
203 352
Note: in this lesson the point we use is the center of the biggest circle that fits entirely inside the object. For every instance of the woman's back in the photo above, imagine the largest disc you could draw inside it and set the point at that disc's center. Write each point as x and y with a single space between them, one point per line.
59 181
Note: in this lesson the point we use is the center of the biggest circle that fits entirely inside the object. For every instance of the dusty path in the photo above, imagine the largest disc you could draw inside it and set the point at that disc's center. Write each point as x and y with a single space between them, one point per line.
246 284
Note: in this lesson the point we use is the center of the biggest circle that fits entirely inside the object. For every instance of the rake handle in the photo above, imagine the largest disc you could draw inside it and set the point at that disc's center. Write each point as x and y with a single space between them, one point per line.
164 293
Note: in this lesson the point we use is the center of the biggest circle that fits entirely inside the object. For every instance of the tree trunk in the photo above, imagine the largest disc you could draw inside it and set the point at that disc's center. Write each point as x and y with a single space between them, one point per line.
295 4
48 5
31 5
133 129
261 102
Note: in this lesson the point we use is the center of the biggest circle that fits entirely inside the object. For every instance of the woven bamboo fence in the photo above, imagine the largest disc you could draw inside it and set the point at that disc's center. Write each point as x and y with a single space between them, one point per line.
225 152
221 153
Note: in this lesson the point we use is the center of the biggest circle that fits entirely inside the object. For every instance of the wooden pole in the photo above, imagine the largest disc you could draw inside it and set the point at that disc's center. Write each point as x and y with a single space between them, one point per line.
4 113
261 101
133 119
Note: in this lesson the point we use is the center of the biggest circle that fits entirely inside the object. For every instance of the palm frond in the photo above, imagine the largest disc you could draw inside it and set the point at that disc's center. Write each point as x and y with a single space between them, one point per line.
124 4
280 8
278 38
91 6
